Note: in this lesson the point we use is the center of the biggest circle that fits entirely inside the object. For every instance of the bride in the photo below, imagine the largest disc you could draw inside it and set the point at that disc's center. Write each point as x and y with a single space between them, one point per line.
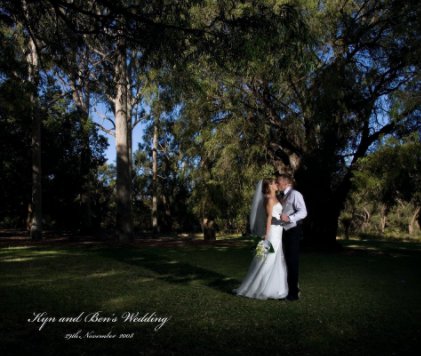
266 277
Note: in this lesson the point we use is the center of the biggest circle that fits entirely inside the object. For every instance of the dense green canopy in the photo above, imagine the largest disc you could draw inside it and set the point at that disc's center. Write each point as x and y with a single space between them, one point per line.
229 92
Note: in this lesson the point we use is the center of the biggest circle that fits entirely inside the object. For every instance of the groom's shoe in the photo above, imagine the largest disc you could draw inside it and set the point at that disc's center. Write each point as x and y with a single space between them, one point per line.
293 297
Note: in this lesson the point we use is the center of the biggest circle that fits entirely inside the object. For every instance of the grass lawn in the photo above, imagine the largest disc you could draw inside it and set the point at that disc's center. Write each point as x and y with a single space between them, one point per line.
364 300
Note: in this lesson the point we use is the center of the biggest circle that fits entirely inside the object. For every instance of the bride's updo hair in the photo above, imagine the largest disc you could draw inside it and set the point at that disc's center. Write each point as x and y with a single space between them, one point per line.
266 185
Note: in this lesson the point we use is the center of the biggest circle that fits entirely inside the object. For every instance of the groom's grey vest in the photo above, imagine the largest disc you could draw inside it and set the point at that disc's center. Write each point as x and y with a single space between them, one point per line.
288 208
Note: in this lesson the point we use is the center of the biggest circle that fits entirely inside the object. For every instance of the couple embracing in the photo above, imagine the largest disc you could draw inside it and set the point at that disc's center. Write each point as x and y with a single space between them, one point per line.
276 217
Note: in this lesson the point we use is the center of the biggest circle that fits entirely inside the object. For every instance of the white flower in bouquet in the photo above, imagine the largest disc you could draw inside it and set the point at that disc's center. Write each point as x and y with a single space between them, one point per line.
263 248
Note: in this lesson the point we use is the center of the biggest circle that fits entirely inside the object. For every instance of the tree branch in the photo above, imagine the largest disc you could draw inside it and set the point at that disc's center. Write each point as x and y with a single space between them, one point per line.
108 131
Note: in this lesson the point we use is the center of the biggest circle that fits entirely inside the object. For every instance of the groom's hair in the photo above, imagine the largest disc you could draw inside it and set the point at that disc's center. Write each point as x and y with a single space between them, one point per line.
287 177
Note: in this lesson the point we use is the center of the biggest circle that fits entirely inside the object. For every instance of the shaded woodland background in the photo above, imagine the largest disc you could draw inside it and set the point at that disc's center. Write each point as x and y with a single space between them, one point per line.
229 92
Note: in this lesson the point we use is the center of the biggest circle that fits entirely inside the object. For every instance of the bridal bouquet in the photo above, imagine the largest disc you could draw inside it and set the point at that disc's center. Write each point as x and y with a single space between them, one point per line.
263 248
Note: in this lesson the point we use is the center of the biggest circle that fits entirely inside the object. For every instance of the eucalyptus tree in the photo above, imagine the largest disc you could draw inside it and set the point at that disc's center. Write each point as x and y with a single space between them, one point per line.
33 79
326 94
18 17
158 156
224 128
366 86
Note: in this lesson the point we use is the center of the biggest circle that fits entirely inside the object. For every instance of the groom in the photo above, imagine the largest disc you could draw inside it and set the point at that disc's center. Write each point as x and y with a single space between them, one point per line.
294 211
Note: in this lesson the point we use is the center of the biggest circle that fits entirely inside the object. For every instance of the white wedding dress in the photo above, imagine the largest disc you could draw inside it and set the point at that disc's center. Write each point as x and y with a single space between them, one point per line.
267 276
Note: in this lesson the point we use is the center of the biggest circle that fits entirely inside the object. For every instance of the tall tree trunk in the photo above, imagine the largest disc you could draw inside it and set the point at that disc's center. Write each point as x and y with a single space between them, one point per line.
123 184
86 224
207 222
155 225
324 205
81 97
166 224
33 79
321 224
130 139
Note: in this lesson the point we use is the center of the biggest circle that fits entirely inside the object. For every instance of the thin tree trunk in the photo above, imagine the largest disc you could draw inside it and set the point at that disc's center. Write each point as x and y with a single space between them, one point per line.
208 225
367 217
413 220
129 121
29 217
33 79
155 226
383 218
130 138
209 233
123 184
86 175
383 223
130 106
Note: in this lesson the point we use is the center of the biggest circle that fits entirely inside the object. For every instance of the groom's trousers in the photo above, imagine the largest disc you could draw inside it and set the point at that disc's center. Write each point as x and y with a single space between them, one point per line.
291 246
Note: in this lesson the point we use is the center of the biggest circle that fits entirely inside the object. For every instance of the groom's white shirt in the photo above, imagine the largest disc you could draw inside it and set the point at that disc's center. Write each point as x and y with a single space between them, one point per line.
294 200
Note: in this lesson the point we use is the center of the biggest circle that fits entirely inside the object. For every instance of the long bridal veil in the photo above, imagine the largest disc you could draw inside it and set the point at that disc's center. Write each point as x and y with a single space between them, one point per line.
257 212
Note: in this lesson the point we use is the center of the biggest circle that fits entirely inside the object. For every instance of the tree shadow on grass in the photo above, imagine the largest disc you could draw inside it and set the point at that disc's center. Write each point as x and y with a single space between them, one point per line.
383 247
171 270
